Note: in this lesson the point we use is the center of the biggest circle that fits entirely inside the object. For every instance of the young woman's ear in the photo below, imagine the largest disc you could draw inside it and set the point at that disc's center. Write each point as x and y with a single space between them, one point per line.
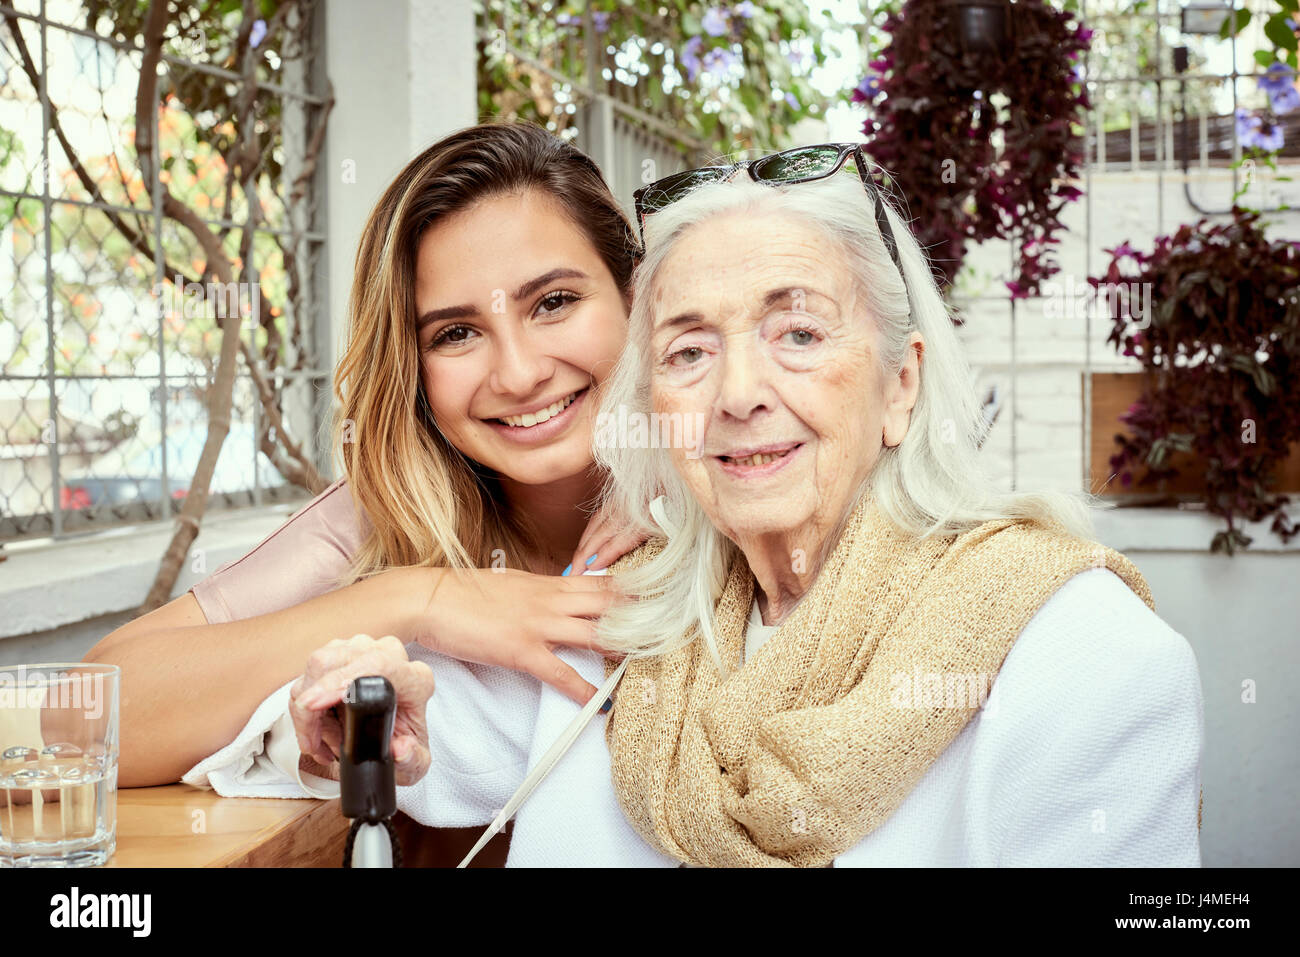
901 393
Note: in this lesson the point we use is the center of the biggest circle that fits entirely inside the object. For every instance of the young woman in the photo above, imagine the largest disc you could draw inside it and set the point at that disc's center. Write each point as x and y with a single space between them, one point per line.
490 301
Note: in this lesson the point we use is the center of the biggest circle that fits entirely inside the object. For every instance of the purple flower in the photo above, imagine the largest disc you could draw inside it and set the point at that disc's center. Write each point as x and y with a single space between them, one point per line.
258 33
1276 78
720 61
714 22
745 10
867 90
1285 101
1292 24
600 20
1271 137
691 57
1247 123
1254 133
791 101
1084 35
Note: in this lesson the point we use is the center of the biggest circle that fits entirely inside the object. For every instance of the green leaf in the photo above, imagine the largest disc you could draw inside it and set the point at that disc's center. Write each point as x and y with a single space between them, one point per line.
1243 18
1265 58
1275 29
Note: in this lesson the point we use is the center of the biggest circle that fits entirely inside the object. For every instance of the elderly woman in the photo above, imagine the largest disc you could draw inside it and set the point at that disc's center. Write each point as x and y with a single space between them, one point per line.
843 647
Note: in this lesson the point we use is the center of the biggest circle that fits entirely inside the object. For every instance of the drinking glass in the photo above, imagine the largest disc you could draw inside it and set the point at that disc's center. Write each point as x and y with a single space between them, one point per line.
58 764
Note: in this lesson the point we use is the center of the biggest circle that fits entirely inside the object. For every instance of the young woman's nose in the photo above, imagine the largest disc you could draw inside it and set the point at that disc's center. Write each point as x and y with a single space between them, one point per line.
519 368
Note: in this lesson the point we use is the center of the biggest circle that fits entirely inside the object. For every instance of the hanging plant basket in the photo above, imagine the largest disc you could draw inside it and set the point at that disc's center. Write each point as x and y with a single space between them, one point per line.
1220 385
978 112
984 27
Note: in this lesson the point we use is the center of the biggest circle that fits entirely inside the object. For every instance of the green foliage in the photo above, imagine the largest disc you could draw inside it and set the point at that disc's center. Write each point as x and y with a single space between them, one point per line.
1220 357
659 59
1279 34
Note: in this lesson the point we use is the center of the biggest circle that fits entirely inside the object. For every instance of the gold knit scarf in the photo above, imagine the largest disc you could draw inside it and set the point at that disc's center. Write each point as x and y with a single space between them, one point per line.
795 757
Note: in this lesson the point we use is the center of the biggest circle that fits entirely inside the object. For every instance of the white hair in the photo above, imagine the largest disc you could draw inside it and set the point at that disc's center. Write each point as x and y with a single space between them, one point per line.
932 483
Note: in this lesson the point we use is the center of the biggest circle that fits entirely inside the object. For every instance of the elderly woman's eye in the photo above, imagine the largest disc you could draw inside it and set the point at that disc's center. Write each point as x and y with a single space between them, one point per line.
800 336
688 356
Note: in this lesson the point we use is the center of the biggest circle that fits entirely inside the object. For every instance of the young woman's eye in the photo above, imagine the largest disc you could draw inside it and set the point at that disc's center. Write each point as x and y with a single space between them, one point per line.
554 302
452 335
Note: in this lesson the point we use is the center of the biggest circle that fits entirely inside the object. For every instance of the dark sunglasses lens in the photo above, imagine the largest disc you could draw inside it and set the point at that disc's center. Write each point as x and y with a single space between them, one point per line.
672 188
797 164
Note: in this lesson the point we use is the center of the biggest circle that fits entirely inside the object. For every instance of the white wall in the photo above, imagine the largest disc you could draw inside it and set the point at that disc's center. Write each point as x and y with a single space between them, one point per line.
1241 616
1051 350
404 76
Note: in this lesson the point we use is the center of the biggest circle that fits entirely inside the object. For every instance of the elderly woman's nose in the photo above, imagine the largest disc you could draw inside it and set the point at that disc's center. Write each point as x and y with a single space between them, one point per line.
743 388
517 368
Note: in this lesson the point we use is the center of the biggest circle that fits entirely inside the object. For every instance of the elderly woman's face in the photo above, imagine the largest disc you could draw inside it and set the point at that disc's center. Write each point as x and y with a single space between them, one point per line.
757 325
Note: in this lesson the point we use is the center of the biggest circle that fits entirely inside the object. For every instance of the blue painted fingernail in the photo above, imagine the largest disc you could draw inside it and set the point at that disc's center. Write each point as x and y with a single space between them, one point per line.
591 559
609 703
567 568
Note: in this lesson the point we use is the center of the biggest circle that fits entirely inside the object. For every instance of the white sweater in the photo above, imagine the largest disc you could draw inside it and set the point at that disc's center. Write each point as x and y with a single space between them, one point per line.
1087 753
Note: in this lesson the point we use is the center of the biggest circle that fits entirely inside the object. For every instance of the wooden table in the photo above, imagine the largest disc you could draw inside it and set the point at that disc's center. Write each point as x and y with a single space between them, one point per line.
181 826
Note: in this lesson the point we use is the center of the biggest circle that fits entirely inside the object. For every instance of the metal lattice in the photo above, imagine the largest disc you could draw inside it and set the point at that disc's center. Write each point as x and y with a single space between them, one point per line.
109 311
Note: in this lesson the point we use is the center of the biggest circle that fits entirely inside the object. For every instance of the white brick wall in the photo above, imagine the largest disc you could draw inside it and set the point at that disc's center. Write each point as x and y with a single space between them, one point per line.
1054 344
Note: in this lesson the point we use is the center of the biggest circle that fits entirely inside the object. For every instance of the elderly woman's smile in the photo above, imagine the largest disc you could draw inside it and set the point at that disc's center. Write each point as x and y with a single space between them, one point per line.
760 328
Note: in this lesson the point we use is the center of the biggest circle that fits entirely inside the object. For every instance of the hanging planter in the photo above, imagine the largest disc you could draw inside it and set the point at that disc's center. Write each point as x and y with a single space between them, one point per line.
978 113
984 27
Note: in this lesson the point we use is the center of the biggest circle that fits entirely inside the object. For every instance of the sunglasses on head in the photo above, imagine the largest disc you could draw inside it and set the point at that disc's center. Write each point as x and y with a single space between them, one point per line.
803 164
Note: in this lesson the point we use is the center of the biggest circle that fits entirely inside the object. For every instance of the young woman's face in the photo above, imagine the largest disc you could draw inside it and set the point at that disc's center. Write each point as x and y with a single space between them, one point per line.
519 321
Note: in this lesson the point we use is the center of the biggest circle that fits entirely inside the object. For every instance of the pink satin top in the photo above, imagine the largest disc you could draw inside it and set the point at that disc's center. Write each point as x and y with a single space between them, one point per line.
308 555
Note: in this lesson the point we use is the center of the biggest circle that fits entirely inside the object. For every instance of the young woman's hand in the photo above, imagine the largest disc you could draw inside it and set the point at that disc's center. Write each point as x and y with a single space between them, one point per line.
606 539
330 669
515 619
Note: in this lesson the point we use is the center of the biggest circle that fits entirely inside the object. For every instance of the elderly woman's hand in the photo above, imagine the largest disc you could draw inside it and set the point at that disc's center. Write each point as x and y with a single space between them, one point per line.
330 670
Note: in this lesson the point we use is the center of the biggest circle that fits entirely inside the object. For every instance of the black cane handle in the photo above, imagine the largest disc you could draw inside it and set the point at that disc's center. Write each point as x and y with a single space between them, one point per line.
367 782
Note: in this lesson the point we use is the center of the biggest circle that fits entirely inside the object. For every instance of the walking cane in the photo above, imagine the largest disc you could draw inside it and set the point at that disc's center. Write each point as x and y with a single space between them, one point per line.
367 781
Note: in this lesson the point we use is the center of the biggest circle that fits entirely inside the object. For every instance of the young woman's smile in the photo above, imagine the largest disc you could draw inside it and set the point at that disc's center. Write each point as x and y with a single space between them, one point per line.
541 422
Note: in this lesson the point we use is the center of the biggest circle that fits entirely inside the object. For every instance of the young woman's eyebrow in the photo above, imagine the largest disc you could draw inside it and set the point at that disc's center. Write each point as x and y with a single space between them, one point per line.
533 285
439 315
523 292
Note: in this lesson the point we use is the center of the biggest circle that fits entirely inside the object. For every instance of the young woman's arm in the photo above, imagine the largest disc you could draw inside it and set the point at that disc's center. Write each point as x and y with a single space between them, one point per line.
188 686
